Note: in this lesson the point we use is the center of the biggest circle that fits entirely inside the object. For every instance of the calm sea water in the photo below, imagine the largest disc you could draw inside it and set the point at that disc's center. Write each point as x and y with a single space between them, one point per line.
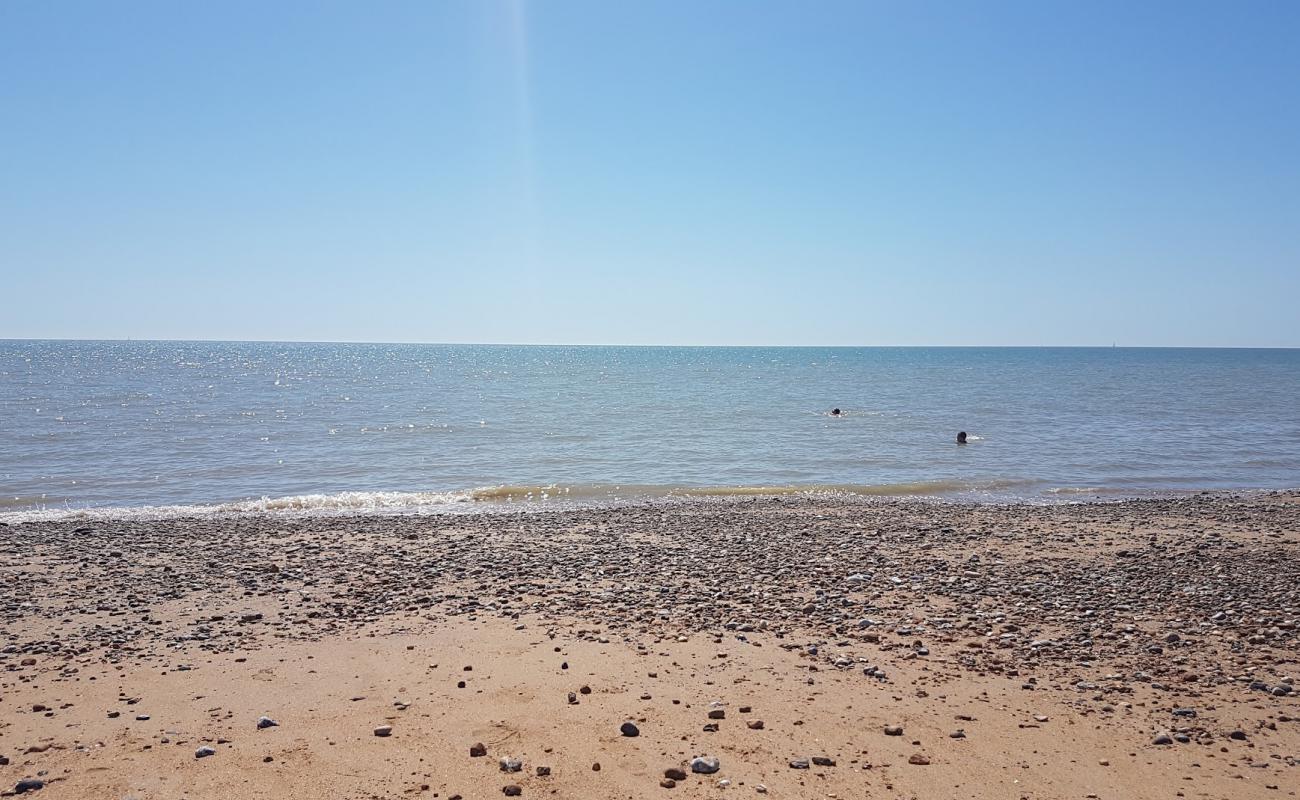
339 426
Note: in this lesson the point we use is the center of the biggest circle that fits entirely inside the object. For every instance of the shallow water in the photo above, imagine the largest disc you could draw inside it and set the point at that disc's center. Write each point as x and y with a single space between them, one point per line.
266 426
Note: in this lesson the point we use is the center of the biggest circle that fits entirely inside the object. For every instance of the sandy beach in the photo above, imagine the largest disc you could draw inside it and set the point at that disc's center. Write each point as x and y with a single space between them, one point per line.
796 647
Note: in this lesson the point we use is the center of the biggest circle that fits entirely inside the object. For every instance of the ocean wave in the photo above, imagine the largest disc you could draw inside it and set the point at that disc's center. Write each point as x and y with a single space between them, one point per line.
26 501
490 494
537 495
341 503
1149 489
344 501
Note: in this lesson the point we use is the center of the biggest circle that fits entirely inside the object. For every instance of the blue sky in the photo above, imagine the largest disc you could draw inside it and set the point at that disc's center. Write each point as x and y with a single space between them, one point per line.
1035 173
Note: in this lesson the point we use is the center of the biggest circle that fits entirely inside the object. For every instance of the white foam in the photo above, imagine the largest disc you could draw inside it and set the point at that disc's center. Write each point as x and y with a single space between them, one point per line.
541 496
293 505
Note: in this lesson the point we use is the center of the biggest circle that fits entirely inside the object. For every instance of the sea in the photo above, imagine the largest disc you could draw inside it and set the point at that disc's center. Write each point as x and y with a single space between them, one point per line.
153 428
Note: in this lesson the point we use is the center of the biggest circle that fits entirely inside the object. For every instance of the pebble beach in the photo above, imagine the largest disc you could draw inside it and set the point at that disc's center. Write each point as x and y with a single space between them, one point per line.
796 646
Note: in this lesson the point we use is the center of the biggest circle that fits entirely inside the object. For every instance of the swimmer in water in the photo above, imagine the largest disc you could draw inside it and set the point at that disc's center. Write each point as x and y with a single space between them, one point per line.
961 438
835 412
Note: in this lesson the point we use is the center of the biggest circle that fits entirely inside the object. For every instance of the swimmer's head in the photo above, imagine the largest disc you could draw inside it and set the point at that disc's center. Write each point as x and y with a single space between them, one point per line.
835 412
961 438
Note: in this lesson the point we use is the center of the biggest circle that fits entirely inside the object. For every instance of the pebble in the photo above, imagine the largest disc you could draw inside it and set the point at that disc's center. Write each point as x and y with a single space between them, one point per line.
509 764
983 615
705 766
478 749
266 722
629 729
204 752
384 730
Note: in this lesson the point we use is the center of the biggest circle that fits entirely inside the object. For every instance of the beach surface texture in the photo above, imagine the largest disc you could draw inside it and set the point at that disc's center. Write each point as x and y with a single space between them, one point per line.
799 647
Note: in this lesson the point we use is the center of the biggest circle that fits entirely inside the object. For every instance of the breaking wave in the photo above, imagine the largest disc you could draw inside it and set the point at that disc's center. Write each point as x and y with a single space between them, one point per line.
359 503
300 505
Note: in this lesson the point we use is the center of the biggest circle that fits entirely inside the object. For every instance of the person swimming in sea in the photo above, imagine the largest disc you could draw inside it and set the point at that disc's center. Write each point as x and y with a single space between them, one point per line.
961 438
835 412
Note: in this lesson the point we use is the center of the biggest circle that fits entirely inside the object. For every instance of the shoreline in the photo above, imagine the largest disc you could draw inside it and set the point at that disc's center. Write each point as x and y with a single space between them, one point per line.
560 499
1036 651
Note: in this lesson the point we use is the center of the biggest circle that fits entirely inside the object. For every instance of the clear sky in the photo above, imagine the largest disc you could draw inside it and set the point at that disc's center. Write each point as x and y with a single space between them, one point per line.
662 172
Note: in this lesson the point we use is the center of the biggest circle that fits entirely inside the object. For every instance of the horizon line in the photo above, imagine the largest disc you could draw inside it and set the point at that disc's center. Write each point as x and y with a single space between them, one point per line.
1112 346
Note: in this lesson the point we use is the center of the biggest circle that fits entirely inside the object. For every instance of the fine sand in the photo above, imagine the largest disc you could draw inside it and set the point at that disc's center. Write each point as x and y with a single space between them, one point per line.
1144 649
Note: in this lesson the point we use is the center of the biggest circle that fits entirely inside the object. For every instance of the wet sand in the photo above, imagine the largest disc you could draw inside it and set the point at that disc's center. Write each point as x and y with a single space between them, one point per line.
1143 649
